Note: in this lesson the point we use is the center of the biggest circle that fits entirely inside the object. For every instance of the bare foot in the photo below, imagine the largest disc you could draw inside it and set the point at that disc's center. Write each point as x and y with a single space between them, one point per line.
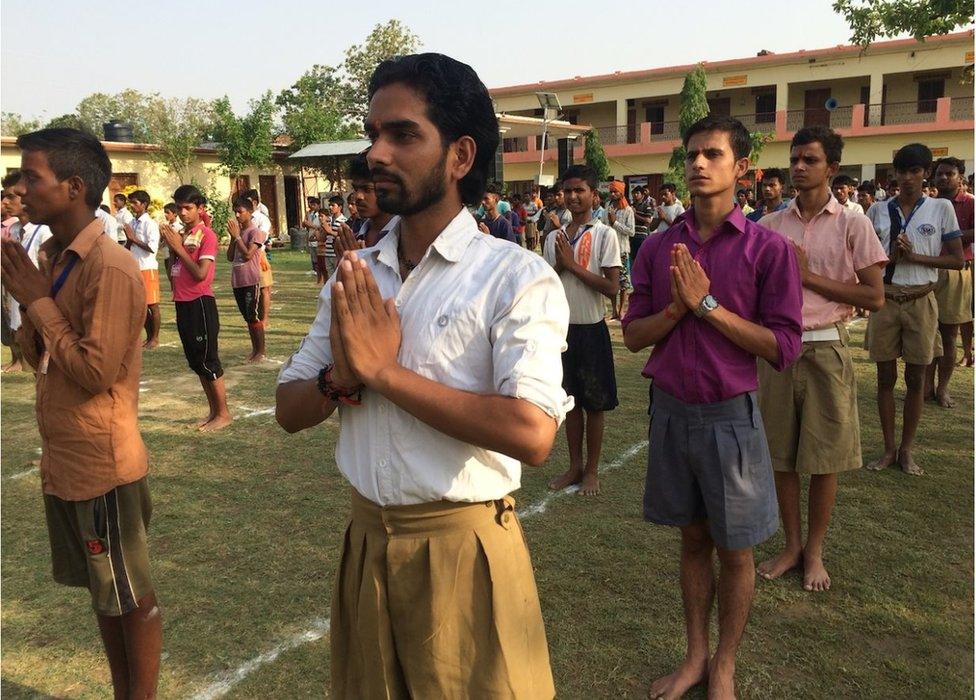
908 464
721 681
203 422
590 485
217 423
151 344
777 566
255 358
883 462
815 576
13 367
943 399
965 361
690 673
570 478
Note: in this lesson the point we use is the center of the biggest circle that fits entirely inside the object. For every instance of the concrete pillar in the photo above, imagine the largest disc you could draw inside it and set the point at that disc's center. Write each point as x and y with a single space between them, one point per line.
622 112
782 95
868 171
875 96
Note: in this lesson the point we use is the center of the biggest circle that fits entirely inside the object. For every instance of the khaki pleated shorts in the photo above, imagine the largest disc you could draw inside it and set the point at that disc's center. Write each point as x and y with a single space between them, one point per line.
437 600
810 410
905 329
954 294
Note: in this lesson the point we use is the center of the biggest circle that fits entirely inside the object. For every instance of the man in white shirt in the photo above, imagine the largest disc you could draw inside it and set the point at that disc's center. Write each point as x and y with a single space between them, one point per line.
921 235
845 190
586 254
123 217
142 239
620 217
440 347
668 210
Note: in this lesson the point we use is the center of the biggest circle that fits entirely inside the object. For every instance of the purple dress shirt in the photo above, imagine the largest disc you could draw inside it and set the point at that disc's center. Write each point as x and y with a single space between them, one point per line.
753 273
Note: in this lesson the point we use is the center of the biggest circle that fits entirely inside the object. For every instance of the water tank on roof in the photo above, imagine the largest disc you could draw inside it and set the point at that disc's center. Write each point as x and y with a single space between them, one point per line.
118 131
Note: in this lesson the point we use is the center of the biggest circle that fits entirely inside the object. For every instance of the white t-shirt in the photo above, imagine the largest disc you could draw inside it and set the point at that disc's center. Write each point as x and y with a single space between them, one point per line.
262 221
110 225
264 210
673 211
123 216
146 230
31 236
595 247
854 206
931 223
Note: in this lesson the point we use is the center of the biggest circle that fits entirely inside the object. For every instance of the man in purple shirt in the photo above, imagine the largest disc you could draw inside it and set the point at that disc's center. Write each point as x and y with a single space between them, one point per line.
711 294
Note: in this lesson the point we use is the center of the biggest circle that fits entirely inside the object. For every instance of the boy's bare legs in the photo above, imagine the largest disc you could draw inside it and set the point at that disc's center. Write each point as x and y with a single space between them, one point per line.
574 436
736 585
256 332
152 327
887 376
590 484
788 497
133 643
211 402
823 494
16 363
697 594
217 396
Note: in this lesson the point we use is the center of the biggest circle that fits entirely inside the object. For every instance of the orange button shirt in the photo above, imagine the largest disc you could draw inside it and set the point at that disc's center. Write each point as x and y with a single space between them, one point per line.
88 399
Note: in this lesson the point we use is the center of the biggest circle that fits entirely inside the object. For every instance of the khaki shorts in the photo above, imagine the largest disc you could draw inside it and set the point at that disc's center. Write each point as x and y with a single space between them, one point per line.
954 294
905 329
810 410
100 544
437 600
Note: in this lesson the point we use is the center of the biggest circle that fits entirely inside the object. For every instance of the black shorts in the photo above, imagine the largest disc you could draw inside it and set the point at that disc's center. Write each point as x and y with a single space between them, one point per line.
588 374
199 325
247 301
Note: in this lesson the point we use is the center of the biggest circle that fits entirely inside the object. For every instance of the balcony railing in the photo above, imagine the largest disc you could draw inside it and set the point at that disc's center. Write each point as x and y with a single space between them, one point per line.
916 112
614 135
839 118
961 108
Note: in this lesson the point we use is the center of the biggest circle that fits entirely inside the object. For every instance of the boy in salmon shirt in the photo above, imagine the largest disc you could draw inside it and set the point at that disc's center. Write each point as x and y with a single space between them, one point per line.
196 309
244 252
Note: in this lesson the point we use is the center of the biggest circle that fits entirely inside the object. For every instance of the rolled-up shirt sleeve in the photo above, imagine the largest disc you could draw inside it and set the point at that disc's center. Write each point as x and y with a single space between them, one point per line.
528 336
781 302
315 352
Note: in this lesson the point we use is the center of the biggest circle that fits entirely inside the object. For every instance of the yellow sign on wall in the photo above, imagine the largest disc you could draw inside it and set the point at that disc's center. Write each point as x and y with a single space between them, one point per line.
733 80
583 97
940 152
969 57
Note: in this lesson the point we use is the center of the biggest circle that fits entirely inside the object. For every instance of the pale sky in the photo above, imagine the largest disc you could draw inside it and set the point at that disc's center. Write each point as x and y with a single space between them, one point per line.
55 52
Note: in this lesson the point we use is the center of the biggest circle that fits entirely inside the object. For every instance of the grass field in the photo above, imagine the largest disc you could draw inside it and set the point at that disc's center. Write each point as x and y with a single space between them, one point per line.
247 526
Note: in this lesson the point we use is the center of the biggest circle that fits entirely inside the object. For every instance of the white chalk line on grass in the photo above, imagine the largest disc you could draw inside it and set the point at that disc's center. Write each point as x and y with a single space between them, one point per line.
620 460
223 682
23 474
255 412
319 627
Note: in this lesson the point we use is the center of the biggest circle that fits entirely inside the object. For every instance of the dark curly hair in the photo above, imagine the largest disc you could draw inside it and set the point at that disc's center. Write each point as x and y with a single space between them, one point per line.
458 104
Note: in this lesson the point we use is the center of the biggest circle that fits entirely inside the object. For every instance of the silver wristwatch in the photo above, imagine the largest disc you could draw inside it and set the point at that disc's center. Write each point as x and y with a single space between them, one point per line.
706 306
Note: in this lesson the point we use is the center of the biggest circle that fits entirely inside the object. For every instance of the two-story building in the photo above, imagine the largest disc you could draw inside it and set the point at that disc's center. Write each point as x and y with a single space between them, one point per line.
893 93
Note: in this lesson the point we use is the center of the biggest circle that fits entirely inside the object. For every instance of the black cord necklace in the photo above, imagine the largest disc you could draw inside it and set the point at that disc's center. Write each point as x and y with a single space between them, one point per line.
403 260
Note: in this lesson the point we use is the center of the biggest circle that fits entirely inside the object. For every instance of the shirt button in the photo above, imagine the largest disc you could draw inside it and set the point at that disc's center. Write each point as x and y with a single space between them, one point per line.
383 462
442 321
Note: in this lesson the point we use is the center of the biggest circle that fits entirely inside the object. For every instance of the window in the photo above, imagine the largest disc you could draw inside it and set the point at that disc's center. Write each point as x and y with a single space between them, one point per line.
655 115
766 107
928 92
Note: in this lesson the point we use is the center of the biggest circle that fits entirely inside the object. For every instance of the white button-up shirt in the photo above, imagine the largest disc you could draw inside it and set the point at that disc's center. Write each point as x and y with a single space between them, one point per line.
477 314
146 230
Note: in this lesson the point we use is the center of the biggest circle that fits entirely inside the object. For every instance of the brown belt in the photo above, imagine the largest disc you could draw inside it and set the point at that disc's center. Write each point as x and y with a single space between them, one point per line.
916 293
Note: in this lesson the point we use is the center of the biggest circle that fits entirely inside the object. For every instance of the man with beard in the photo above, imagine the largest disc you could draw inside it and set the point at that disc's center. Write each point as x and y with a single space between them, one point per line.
440 348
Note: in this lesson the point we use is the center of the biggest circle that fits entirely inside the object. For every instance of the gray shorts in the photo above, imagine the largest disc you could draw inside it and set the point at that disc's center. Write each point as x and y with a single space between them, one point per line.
711 462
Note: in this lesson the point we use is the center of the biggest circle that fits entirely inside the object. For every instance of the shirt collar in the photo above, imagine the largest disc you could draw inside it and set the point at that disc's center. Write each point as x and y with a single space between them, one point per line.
735 222
83 242
831 207
450 244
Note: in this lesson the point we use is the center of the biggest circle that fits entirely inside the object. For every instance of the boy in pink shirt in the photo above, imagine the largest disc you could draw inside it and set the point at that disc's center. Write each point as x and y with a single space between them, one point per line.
244 253
810 409
192 275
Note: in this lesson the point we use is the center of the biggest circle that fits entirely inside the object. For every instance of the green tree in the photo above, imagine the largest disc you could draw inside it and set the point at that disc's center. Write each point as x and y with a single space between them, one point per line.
179 127
385 41
129 106
244 142
595 157
694 106
871 19
13 124
313 109
67 121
